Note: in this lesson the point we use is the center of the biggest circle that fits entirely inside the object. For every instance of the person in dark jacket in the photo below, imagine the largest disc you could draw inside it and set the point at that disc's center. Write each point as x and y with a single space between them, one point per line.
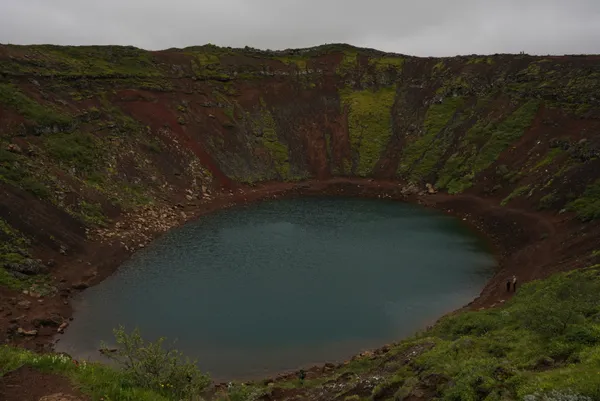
508 281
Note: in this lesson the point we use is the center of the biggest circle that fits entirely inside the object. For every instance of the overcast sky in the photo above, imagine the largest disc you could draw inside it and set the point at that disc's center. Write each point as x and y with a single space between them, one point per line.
417 27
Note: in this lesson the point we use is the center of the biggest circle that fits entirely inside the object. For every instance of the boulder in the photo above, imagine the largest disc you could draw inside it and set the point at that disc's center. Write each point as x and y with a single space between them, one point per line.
24 304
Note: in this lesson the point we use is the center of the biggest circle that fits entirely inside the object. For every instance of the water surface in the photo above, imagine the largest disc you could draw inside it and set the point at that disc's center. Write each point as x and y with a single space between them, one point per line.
260 289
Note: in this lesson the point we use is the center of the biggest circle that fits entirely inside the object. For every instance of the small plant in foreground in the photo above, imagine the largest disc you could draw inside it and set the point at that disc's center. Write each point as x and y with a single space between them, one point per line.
151 366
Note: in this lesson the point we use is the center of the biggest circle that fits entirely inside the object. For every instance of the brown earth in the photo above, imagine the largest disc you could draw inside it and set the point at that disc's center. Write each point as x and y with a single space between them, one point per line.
28 384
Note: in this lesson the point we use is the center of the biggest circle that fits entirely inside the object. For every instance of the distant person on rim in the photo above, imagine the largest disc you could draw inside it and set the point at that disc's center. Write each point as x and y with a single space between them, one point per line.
514 283
508 282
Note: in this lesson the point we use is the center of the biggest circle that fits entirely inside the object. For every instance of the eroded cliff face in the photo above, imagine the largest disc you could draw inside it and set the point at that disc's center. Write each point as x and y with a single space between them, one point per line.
89 135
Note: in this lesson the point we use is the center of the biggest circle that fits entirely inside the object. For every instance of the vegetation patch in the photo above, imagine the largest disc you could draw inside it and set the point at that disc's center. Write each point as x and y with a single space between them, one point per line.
421 156
482 146
265 128
370 125
77 150
520 191
587 206
44 116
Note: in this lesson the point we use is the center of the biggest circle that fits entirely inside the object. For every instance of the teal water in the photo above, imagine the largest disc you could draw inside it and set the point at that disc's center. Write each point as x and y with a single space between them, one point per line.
260 289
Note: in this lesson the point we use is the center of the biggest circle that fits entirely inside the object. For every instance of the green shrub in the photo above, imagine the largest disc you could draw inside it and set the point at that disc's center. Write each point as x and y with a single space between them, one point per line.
150 366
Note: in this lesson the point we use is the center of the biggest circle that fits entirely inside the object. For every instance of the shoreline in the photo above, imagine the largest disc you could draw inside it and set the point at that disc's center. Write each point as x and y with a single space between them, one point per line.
480 215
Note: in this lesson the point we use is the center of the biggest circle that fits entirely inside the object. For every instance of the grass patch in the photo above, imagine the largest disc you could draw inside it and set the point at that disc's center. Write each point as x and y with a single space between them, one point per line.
42 115
552 154
587 206
78 150
370 125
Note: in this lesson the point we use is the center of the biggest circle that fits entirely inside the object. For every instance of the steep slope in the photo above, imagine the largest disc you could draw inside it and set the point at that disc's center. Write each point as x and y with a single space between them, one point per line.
101 148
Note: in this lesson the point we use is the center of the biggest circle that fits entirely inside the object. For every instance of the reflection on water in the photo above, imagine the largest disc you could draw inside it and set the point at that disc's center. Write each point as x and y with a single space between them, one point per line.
274 286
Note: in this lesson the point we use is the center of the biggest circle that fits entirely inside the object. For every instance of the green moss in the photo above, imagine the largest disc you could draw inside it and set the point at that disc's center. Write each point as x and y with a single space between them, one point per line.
349 62
520 191
40 114
369 124
420 157
265 128
587 206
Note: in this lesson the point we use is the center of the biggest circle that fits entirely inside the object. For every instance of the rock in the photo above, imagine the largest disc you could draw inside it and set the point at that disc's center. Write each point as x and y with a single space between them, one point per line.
63 250
29 267
430 189
80 286
14 148
27 333
51 263
24 304
189 197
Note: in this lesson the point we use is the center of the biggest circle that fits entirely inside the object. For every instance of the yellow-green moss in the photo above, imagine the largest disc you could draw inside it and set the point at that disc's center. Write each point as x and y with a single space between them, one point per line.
370 125
265 128
420 156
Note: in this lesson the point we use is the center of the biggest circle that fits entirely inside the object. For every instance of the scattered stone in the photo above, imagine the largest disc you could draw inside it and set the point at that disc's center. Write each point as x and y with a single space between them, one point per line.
189 197
24 304
51 263
63 250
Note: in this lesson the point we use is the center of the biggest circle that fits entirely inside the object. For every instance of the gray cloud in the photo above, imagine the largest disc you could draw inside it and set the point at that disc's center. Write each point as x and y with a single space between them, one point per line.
418 27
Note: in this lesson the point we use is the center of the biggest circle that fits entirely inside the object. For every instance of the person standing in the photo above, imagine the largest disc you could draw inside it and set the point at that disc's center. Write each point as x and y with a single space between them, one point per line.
508 281
514 283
